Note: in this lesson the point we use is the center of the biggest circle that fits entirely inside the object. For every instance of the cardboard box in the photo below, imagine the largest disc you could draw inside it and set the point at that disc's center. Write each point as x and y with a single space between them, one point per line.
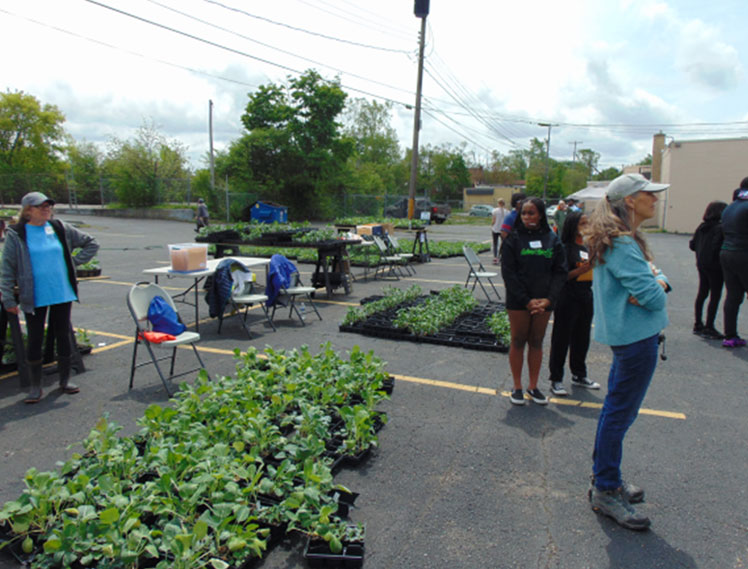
370 229
188 257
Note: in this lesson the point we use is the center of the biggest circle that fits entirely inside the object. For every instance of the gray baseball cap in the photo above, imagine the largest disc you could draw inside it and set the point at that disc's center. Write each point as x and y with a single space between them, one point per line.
628 184
35 199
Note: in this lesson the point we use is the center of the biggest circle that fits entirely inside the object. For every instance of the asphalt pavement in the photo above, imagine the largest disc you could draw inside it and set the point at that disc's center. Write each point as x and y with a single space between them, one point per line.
461 478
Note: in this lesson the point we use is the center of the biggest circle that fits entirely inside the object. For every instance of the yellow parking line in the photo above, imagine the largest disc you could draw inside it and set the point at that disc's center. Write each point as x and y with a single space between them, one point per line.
407 378
558 401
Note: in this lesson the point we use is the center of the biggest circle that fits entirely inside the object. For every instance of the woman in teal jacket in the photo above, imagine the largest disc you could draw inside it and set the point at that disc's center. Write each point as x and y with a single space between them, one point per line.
629 314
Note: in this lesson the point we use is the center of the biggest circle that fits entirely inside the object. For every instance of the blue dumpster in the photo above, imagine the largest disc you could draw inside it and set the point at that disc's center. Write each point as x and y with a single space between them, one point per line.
267 212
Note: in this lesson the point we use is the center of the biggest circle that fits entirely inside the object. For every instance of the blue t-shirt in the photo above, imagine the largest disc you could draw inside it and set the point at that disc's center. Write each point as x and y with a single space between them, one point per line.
51 282
508 224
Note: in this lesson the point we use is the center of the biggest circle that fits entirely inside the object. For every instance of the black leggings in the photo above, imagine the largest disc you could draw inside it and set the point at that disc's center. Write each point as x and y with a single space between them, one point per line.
710 285
735 270
572 319
59 325
496 248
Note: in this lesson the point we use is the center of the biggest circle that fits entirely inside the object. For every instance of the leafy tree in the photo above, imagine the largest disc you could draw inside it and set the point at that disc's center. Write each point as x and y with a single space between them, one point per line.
84 170
31 138
442 172
646 161
608 174
371 167
590 159
293 150
148 169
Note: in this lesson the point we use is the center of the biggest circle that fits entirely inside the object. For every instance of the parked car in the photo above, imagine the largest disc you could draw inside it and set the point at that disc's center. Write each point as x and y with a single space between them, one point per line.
481 210
439 212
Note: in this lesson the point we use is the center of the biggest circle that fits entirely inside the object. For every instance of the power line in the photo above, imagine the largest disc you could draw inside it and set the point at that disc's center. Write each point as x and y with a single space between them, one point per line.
349 42
286 52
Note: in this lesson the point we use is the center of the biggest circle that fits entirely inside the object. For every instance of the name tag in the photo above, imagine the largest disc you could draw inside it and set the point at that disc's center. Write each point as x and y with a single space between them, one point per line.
48 230
536 244
584 255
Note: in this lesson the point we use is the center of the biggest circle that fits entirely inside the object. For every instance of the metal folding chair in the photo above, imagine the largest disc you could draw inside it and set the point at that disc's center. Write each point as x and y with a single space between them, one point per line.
138 300
478 273
387 260
296 289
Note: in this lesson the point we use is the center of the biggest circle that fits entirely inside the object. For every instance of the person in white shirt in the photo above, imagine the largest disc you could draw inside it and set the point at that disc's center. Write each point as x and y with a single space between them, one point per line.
497 218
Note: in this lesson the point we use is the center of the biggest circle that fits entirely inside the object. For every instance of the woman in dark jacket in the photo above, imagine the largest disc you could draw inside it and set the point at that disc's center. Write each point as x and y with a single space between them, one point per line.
37 258
572 316
534 270
706 243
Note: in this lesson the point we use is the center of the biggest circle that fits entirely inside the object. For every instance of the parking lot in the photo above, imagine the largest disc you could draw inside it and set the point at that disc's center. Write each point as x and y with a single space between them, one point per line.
461 479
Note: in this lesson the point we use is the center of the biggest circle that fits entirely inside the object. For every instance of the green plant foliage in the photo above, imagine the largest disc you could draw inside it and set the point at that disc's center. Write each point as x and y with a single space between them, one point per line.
204 479
436 312
392 297
498 323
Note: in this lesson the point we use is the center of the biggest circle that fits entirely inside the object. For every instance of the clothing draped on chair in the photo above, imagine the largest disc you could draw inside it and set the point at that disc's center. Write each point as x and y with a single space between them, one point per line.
279 277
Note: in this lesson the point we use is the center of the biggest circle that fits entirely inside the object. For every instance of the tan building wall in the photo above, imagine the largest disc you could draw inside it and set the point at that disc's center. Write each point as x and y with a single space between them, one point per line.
487 195
699 171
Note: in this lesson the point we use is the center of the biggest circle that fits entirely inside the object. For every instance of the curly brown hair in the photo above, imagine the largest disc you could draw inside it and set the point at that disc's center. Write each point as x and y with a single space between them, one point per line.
608 221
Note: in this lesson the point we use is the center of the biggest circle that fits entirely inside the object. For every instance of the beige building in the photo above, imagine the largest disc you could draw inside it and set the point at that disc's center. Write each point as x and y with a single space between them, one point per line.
488 195
698 171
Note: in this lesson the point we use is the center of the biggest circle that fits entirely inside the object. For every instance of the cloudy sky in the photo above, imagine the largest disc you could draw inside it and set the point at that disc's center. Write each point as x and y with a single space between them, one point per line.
607 74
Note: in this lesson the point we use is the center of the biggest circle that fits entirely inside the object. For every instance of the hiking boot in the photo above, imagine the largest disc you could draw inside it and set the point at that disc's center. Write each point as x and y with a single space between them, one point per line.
632 493
734 342
517 397
697 328
579 381
557 388
537 396
613 503
711 333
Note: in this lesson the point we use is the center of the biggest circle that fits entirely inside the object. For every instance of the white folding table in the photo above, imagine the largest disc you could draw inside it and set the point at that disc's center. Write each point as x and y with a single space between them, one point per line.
198 276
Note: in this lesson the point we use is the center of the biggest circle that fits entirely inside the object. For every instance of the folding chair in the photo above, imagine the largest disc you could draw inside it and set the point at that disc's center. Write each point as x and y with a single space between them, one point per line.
241 293
478 272
387 259
247 297
406 257
296 288
138 300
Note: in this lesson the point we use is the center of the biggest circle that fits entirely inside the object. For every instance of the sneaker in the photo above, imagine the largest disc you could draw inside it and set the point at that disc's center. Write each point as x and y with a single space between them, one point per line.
557 388
697 328
734 342
613 503
580 381
711 333
517 397
632 493
537 396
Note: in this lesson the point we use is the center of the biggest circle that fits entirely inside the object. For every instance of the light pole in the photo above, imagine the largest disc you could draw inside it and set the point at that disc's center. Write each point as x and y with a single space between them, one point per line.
547 156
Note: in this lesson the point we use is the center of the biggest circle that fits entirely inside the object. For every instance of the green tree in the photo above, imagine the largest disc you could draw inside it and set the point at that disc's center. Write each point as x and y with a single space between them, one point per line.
293 150
608 174
590 159
372 165
31 139
147 170
84 170
442 172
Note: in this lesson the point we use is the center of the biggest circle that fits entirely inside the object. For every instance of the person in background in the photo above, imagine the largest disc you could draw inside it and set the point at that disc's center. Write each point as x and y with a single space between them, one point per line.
534 270
38 258
497 218
629 314
572 204
572 316
202 214
559 216
734 260
508 224
706 243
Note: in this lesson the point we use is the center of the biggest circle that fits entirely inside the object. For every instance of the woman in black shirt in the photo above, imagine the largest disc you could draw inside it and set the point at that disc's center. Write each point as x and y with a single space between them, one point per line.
534 270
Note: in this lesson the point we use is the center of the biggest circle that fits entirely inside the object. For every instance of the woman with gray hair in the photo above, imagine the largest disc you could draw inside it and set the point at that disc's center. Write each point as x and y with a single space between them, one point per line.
629 314
38 259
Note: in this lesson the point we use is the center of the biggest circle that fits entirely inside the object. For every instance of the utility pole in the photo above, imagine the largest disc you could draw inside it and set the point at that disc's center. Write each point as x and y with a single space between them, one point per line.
574 156
547 156
421 10
212 159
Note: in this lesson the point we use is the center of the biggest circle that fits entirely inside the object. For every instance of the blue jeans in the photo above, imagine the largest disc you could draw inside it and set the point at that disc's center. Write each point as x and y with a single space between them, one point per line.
630 375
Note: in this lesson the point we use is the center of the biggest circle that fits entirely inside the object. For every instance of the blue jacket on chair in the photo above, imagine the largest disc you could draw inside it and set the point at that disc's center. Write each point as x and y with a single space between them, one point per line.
279 276
219 289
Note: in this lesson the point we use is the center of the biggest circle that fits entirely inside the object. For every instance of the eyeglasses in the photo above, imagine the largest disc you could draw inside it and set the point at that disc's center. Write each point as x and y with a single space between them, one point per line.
45 205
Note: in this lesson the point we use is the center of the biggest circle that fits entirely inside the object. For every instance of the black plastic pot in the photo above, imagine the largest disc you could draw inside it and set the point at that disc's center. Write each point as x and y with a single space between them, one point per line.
317 553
